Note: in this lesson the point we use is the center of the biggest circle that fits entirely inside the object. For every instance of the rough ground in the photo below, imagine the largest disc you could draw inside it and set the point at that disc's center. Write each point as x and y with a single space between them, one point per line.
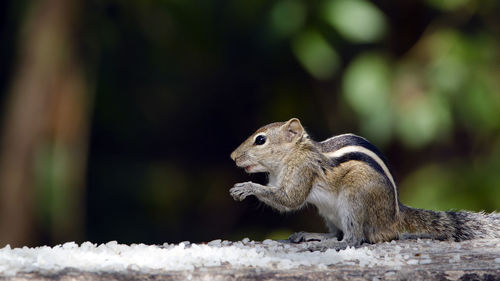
249 260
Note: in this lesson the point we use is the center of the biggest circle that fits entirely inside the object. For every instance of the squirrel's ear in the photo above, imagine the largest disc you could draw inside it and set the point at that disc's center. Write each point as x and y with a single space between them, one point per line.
293 128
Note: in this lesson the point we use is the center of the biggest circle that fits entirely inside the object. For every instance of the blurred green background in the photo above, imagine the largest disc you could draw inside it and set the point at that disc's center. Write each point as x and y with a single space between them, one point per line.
118 117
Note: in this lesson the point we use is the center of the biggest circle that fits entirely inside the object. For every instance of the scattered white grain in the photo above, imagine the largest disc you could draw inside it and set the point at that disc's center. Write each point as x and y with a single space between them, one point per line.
269 254
215 243
425 261
112 257
268 242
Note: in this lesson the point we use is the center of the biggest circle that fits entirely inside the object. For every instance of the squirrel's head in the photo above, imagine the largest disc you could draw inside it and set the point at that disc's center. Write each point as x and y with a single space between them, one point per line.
265 149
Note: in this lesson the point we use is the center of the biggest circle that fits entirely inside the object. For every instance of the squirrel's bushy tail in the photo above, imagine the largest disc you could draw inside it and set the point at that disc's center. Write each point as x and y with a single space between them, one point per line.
456 226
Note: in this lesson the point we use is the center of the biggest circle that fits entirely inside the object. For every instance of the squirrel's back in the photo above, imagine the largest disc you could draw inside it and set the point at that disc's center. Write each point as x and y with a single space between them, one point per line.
450 225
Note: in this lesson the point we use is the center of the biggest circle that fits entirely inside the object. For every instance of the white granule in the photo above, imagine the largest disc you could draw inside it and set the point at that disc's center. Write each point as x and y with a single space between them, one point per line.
266 255
113 257
425 261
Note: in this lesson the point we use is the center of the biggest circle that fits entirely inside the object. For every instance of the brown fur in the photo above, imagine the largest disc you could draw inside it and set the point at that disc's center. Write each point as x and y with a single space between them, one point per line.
357 201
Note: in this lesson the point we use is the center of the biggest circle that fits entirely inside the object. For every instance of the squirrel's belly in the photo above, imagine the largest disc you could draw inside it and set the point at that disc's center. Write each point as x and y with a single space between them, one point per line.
327 203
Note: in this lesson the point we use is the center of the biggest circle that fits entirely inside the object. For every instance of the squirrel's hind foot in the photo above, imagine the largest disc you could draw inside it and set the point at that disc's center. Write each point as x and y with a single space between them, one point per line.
302 236
324 245
312 242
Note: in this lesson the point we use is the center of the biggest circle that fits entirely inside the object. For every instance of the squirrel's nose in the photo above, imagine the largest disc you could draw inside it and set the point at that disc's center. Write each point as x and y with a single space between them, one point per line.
233 155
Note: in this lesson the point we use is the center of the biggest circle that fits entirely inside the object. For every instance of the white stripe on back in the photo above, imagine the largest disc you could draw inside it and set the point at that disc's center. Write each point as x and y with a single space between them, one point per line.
354 148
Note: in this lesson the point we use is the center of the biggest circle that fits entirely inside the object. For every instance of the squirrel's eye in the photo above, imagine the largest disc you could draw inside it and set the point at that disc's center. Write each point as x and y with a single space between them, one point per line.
260 139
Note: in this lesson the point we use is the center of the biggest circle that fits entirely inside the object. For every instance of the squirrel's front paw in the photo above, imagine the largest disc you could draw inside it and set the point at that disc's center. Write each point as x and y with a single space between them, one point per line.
241 190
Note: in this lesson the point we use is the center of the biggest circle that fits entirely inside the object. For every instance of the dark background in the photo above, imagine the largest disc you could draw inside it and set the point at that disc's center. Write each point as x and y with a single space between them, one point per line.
118 117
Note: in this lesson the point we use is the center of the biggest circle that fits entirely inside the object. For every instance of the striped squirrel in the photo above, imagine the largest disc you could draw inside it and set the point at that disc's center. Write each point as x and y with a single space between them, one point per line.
349 182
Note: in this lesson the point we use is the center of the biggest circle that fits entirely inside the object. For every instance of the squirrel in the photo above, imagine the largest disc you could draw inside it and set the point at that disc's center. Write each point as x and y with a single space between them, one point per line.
348 180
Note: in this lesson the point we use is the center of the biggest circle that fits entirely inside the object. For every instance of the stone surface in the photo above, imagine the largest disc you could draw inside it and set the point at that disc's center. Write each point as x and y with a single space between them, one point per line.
408 260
